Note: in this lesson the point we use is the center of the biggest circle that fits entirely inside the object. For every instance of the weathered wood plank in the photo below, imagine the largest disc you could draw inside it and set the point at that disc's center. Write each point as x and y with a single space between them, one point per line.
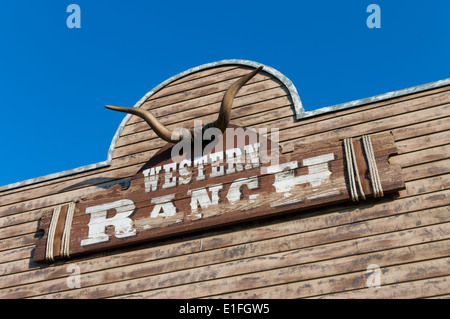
205 73
254 284
322 286
424 142
74 185
421 129
18 230
303 268
422 156
276 100
284 123
12 267
205 80
102 175
376 114
423 186
19 241
243 236
205 95
407 290
125 279
367 127
20 218
52 199
428 169
16 254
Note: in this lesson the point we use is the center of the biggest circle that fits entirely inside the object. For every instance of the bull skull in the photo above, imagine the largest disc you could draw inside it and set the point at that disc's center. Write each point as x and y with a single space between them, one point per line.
178 134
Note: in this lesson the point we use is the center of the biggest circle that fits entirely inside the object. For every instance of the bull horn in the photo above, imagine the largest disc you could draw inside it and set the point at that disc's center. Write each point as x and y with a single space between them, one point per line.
177 135
152 121
225 108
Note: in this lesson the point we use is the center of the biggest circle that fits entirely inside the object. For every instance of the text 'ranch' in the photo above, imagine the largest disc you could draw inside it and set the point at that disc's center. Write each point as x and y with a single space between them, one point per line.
283 180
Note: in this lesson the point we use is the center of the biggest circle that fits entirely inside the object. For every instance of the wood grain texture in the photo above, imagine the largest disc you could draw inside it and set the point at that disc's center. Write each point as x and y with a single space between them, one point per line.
394 276
345 216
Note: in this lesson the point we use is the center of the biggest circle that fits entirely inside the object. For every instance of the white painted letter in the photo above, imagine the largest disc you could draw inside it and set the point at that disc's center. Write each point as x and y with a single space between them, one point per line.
251 155
123 226
151 177
286 181
235 193
318 171
165 204
200 197
198 162
216 167
185 173
170 180
234 158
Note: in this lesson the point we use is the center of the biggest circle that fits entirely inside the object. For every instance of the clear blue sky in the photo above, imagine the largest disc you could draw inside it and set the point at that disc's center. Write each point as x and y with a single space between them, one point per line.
54 81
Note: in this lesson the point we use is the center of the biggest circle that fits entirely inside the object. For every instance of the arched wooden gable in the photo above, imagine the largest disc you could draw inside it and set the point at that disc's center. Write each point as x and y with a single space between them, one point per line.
195 95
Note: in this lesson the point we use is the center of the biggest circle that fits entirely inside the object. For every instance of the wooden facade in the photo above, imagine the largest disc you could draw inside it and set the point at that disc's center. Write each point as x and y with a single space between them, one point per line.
325 252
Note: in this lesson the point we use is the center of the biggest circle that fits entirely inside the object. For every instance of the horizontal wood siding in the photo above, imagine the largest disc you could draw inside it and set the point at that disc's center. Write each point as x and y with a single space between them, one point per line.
322 253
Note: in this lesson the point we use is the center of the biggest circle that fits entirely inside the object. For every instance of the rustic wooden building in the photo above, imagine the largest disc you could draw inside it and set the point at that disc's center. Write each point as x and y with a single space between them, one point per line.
393 246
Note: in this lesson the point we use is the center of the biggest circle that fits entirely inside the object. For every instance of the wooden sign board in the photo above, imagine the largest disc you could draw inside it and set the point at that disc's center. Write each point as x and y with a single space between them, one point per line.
226 185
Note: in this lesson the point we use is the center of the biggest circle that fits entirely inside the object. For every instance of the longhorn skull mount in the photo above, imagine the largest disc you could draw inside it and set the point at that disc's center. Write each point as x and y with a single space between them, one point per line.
179 134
